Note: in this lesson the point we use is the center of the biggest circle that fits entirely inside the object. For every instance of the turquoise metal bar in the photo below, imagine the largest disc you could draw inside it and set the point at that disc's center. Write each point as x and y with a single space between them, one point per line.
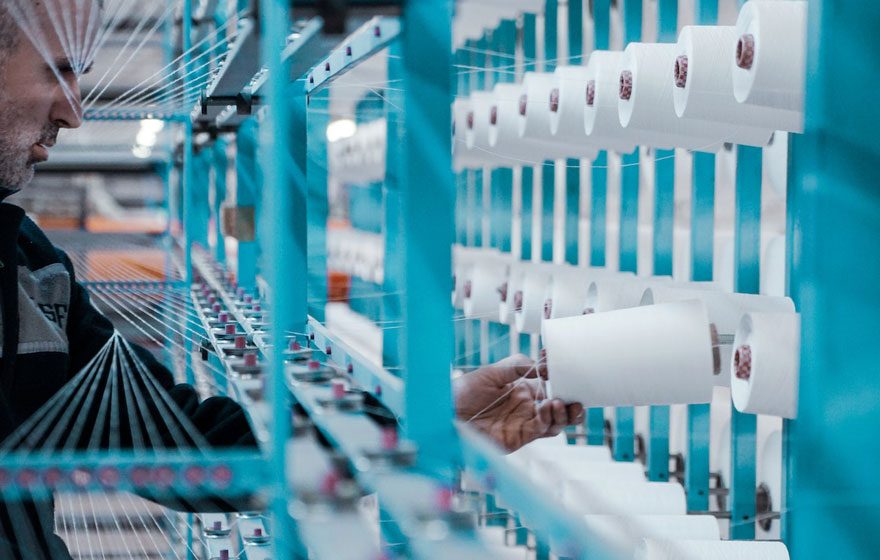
392 341
629 225
747 250
428 231
247 195
221 166
200 212
285 223
696 473
370 38
318 204
664 218
186 174
831 506
599 204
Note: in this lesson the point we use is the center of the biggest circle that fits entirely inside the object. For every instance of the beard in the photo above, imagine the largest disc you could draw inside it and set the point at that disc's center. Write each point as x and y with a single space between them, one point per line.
17 137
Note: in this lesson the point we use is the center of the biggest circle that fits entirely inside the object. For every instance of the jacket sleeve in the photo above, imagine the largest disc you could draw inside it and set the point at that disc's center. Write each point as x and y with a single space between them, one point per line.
220 420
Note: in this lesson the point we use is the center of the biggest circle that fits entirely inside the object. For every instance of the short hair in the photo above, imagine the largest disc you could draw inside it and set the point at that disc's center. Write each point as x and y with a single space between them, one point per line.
10 34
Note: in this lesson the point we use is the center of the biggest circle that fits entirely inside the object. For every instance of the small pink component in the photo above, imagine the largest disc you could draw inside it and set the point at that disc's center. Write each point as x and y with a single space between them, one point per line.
257 307
240 291
523 104
295 346
554 100
108 476
328 350
52 477
218 525
626 85
165 476
81 477
548 308
240 342
326 67
338 391
350 368
589 311
223 318
377 31
681 71
314 365
503 291
378 390
329 482
216 308
230 328
389 438
591 93
493 116
742 362
195 475
745 51
468 288
141 476
518 301
258 532
250 360
248 299
27 478
221 475
470 120
212 299
224 554
443 499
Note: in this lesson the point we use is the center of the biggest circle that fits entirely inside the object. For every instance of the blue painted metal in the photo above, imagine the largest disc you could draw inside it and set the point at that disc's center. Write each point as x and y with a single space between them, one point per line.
373 36
428 231
186 178
285 223
696 474
392 313
247 194
664 218
747 250
599 204
831 503
623 437
221 166
318 203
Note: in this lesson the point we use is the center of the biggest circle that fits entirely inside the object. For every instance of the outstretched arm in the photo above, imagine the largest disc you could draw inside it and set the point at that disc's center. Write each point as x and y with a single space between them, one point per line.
507 402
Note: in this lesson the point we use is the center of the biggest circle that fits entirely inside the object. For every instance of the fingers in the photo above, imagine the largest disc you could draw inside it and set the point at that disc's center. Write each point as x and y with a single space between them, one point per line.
576 413
510 369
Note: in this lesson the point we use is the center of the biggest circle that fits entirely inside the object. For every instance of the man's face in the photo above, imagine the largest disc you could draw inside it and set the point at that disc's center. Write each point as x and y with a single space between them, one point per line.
39 94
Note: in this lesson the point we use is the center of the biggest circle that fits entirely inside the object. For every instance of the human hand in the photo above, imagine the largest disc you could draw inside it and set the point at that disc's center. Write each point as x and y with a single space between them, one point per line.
507 402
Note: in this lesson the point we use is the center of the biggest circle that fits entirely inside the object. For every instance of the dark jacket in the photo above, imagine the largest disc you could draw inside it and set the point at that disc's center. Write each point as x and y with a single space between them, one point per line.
50 331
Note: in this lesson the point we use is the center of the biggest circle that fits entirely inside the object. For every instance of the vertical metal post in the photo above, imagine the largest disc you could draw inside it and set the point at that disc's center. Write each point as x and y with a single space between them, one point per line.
427 228
696 473
247 195
220 166
504 44
629 231
664 218
599 204
747 251
395 259
832 506
285 223
747 248
186 173
318 204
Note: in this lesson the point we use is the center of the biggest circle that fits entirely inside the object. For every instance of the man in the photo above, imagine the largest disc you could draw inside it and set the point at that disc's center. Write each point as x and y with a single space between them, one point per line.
50 330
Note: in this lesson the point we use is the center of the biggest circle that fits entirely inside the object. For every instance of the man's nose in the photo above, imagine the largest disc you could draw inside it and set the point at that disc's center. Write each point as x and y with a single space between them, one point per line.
67 107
